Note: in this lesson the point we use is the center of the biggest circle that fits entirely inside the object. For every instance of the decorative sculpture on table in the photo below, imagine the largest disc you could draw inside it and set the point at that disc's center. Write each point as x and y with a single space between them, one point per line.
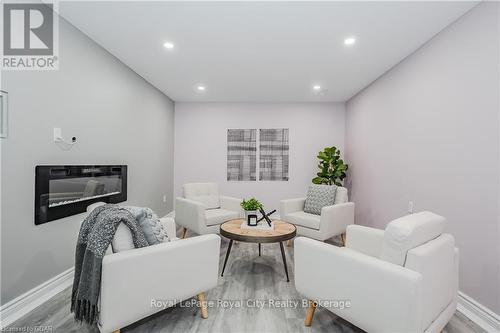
265 216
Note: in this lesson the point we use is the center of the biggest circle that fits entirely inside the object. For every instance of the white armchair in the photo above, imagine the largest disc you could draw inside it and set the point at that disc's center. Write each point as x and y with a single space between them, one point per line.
202 209
333 220
137 283
402 280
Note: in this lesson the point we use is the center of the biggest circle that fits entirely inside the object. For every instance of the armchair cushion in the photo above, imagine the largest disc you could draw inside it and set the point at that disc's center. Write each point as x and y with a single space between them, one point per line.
304 219
219 216
408 232
205 193
319 196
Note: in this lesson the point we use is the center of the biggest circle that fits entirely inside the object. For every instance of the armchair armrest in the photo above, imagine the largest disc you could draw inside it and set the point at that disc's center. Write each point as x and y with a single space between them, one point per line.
190 214
380 294
335 219
291 205
140 282
365 240
232 204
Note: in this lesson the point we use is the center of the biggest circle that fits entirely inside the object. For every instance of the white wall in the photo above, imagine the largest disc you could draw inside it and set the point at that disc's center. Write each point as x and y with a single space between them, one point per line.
201 136
428 131
117 117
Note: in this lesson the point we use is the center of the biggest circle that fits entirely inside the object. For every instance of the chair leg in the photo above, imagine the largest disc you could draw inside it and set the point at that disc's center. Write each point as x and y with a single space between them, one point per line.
203 305
184 232
310 313
117 331
289 242
342 238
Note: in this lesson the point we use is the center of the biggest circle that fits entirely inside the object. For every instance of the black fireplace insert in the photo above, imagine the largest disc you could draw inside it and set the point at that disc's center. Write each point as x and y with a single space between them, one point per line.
65 190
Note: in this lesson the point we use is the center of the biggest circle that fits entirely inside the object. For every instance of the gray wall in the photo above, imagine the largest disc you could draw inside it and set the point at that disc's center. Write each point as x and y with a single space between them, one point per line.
428 131
117 117
201 136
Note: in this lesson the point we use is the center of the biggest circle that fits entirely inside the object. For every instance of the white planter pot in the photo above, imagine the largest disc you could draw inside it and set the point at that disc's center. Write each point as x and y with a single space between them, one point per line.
249 212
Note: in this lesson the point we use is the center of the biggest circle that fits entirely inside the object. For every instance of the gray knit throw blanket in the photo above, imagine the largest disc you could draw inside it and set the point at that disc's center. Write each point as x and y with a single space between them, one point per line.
96 233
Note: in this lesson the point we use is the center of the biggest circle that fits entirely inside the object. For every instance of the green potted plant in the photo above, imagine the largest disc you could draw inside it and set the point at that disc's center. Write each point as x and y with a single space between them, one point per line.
250 206
332 168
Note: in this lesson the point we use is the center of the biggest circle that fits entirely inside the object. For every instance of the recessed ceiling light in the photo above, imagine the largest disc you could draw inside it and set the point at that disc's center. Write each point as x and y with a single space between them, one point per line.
349 41
168 45
317 87
201 88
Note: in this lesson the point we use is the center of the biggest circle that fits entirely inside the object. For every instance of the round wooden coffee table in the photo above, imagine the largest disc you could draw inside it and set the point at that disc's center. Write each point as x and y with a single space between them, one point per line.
283 231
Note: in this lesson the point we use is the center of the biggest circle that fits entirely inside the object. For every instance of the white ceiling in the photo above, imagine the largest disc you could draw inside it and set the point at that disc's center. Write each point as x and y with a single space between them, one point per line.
261 51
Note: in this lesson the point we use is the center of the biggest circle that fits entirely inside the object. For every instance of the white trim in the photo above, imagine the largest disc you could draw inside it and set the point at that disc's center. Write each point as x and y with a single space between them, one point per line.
21 305
478 313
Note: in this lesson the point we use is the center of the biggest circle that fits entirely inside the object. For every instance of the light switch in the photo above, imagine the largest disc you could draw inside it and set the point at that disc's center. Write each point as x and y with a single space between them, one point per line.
57 134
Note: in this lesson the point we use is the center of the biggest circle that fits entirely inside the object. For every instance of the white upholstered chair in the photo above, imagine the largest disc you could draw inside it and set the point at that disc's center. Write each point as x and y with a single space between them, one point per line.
403 279
333 220
202 209
136 283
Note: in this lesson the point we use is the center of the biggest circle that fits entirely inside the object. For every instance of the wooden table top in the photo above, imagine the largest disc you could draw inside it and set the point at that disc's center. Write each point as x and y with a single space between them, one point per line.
282 231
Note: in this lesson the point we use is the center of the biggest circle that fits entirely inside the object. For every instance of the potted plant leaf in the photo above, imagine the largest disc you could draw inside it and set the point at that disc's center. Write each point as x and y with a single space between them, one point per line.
250 206
332 168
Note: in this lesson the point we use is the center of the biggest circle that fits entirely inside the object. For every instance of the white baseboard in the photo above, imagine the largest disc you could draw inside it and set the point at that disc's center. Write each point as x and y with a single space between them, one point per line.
21 305
478 313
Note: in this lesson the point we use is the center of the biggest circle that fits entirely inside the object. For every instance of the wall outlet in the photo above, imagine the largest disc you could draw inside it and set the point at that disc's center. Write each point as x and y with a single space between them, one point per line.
164 198
410 207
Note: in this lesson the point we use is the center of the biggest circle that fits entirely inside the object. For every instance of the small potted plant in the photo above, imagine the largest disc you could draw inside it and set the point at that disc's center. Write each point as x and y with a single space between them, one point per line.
250 206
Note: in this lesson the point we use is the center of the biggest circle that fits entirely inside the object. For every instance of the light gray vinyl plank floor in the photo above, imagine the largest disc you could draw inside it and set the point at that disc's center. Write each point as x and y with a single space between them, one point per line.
247 276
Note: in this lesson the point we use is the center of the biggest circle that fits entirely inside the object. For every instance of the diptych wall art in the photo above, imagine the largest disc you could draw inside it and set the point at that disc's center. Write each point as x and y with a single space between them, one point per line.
241 154
273 164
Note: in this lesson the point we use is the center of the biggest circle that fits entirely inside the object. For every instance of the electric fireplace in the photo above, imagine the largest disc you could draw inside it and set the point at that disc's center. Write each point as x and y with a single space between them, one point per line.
65 190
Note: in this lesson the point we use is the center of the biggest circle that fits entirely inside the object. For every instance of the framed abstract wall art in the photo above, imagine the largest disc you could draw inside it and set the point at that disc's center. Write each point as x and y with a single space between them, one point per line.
241 154
274 157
